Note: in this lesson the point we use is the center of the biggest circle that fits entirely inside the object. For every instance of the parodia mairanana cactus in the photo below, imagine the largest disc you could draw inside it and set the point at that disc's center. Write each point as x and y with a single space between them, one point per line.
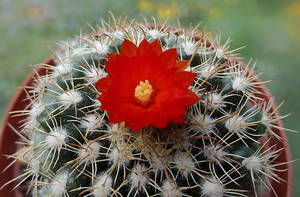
146 110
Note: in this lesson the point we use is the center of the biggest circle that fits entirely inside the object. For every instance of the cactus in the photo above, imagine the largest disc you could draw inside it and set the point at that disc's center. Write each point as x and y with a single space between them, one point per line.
147 110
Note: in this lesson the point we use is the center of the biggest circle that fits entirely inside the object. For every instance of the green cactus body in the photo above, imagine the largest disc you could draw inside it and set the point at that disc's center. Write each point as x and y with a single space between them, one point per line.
72 149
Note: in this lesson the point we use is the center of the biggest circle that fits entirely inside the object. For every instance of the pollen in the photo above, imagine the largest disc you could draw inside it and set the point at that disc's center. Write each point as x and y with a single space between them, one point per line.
143 92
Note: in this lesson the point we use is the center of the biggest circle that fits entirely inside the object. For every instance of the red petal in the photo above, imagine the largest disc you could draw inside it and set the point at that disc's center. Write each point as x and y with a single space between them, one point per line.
103 84
114 118
160 121
168 58
112 56
190 99
133 125
172 109
177 119
128 48
185 78
146 118
156 46
182 65
143 49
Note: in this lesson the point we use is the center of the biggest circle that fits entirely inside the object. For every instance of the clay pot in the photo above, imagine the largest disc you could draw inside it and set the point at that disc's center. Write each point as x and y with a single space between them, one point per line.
281 189
8 137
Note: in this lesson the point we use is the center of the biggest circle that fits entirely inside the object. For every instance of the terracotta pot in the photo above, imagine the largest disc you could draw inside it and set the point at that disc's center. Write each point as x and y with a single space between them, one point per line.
281 189
8 138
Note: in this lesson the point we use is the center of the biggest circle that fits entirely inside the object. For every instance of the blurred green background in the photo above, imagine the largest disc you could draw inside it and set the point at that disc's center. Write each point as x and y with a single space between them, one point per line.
269 28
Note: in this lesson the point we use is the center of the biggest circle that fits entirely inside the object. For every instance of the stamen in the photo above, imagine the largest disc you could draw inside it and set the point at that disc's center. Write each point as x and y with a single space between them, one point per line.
143 92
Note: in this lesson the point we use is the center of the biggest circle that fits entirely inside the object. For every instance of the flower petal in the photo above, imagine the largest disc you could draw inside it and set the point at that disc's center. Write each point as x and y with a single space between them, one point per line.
156 46
168 58
182 65
128 48
185 78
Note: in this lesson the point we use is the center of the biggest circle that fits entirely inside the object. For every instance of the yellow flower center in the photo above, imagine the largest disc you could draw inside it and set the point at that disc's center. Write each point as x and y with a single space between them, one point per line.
143 92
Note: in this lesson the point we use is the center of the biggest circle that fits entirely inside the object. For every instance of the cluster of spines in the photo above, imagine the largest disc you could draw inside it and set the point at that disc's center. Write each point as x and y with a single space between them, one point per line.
73 150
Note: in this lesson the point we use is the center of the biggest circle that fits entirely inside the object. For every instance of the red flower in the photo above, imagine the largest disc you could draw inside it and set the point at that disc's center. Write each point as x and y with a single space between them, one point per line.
146 86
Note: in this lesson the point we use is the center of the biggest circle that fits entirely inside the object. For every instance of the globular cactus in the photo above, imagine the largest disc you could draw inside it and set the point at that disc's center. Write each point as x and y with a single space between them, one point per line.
147 110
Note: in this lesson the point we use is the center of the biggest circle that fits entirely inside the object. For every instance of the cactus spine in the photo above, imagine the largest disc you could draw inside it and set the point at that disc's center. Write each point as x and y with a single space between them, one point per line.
72 149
